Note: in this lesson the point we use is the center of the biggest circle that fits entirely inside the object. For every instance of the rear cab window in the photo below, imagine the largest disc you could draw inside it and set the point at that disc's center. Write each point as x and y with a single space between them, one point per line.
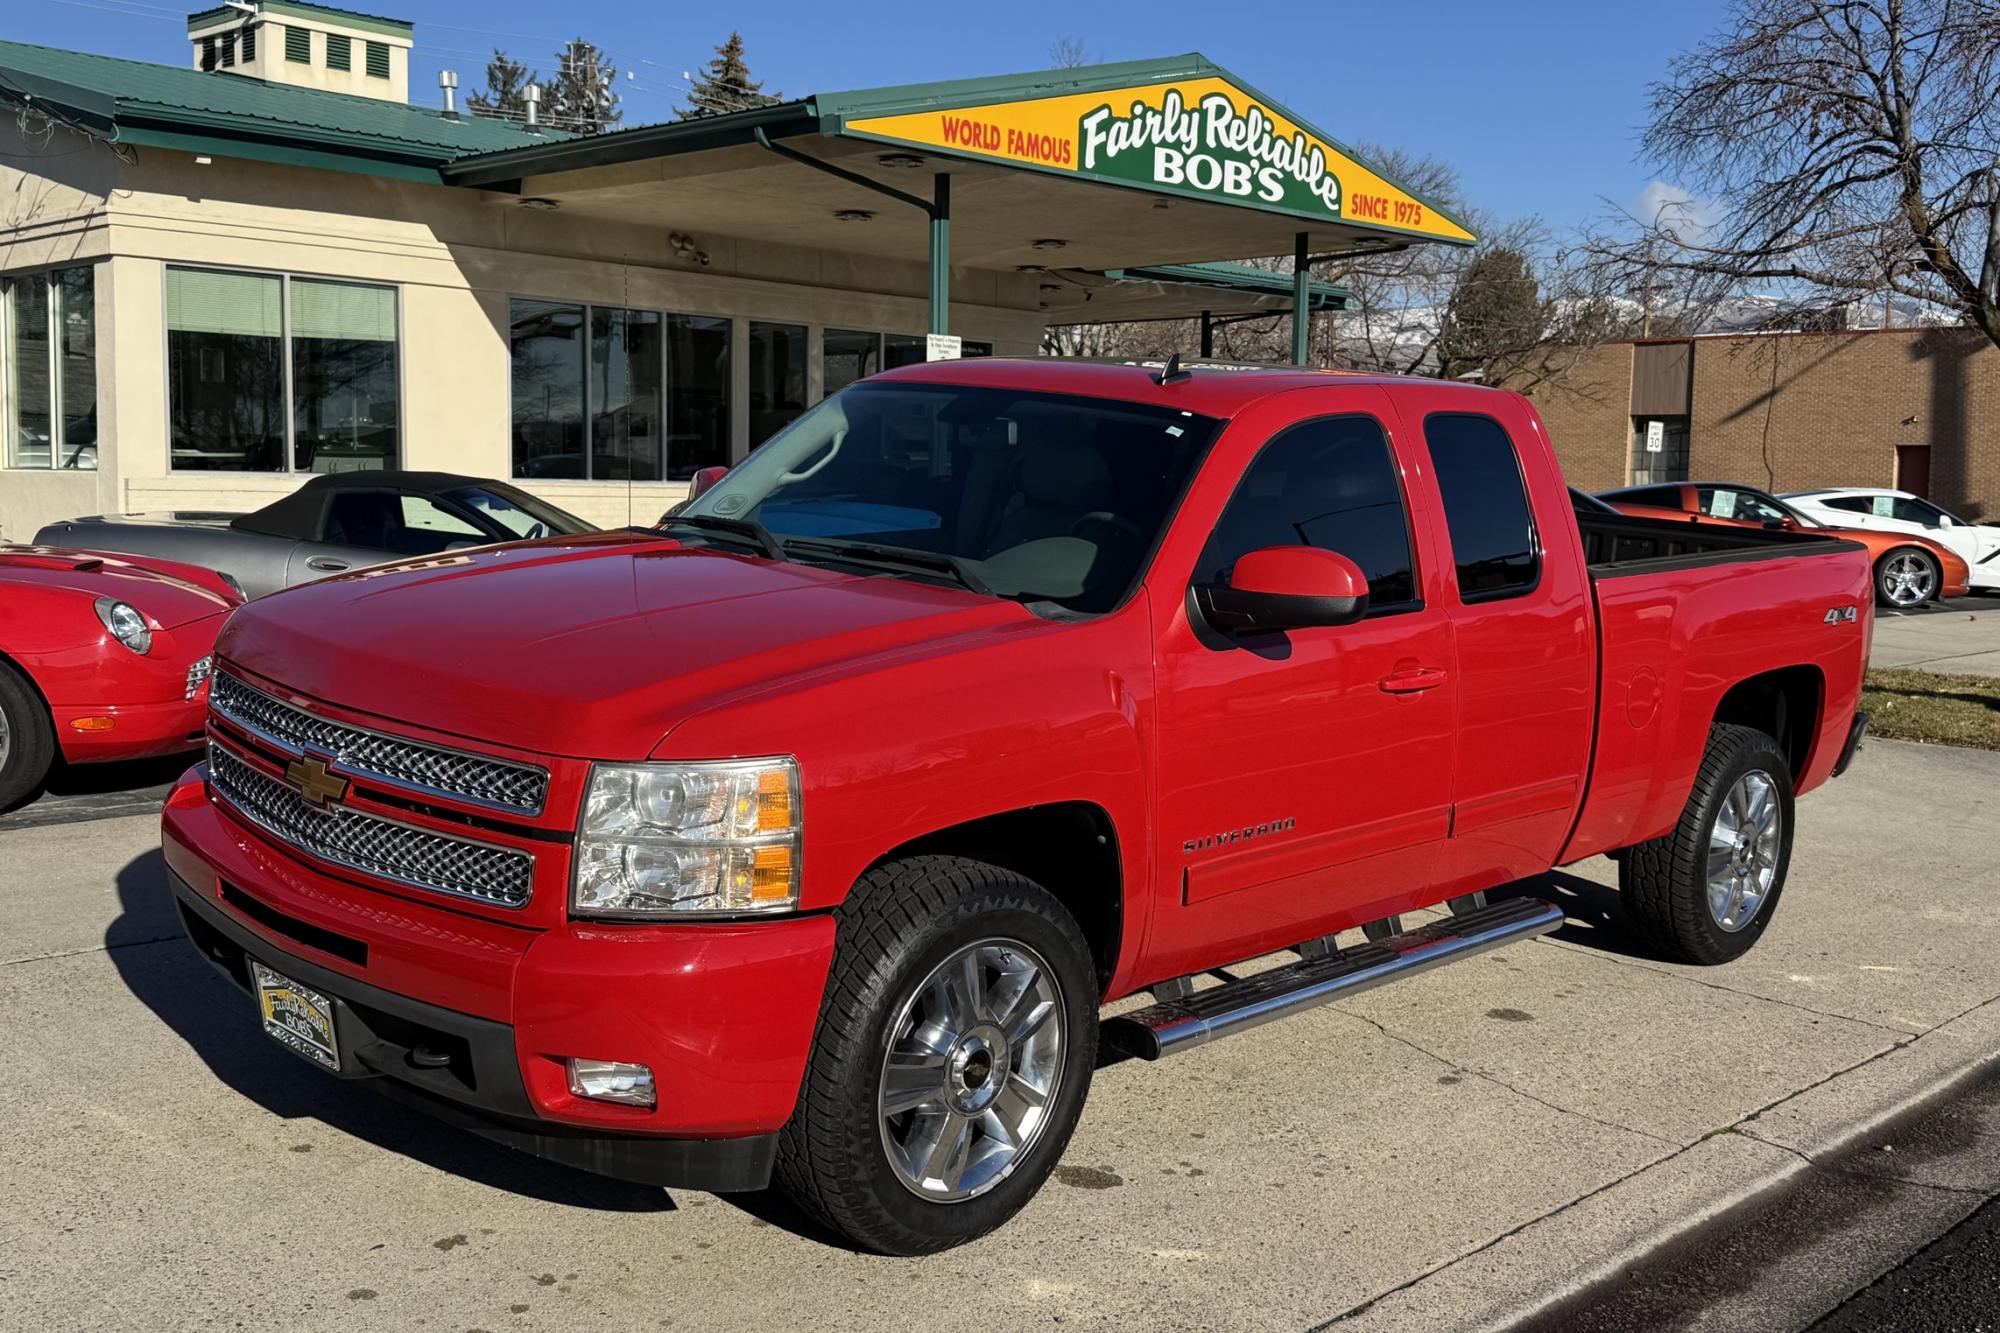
1495 548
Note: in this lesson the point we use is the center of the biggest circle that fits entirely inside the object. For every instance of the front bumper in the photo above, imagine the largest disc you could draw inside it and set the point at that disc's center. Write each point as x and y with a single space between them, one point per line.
137 731
722 1013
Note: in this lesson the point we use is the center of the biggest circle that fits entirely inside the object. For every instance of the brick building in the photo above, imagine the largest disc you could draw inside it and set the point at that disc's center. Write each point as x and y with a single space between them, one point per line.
1914 408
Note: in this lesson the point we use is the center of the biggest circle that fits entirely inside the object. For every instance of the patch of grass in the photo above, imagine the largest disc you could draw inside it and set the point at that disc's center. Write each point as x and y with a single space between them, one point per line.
1907 705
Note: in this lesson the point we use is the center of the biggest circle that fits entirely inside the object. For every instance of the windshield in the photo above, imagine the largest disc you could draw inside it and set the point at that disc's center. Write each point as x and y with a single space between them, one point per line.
1041 497
518 513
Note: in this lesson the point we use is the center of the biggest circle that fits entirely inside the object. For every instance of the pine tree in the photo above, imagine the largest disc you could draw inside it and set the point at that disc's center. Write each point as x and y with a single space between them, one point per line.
1495 314
725 84
581 99
506 91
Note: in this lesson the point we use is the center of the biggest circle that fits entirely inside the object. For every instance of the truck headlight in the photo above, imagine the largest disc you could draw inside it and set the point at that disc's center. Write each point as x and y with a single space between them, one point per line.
669 839
126 624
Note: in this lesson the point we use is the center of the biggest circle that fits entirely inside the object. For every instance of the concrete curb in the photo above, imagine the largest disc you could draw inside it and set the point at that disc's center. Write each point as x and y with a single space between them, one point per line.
1525 1272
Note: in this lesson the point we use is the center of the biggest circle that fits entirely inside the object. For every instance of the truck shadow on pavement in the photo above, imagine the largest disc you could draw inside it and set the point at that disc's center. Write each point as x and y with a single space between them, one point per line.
1593 916
149 948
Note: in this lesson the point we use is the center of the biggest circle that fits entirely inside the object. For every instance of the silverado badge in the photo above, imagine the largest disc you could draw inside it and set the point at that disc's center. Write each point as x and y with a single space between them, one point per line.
309 777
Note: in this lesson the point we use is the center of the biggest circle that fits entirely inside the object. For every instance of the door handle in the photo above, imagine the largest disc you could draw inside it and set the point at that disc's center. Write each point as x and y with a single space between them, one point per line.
326 564
1412 681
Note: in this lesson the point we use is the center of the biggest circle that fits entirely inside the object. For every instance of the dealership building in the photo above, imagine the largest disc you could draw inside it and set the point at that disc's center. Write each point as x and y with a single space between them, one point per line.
262 261
1917 409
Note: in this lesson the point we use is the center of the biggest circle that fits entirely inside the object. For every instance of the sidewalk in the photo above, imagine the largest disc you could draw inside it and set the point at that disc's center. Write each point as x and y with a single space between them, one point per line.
1963 639
1441 1153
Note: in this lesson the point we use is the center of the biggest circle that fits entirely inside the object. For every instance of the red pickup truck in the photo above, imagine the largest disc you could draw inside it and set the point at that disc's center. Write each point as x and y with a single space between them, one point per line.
802 837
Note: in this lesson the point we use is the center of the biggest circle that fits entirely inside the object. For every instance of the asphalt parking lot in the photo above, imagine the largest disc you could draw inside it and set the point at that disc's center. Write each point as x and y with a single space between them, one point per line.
1444 1152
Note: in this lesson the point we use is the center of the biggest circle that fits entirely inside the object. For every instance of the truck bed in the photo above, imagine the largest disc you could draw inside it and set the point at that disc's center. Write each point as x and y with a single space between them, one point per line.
1686 612
1616 546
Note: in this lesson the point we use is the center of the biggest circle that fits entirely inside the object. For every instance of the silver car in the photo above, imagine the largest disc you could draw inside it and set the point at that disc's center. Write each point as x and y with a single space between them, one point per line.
341 521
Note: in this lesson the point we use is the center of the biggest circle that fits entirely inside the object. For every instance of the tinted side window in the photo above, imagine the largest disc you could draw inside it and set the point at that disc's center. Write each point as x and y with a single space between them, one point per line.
1329 483
1853 504
1724 502
1660 497
1485 506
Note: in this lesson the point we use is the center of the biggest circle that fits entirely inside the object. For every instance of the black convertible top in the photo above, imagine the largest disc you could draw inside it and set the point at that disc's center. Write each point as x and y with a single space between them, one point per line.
297 516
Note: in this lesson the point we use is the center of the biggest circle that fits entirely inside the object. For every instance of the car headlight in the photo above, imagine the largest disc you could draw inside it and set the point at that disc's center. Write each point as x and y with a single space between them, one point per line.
126 624
198 673
672 839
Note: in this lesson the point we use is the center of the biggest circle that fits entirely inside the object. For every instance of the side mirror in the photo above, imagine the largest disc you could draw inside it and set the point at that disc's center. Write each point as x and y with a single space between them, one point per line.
705 478
1286 587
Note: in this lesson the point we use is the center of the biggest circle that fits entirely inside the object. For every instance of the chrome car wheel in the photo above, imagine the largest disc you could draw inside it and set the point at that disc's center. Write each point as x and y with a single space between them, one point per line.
1908 579
1743 849
974 1061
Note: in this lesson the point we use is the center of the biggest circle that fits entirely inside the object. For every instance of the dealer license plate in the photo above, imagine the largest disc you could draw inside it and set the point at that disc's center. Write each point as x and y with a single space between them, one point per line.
298 1016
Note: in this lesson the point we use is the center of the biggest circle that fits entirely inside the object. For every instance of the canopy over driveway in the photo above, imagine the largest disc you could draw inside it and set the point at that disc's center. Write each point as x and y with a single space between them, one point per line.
1080 173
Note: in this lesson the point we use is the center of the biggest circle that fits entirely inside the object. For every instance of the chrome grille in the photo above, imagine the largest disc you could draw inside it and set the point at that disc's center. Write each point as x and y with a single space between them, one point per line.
369 843
413 765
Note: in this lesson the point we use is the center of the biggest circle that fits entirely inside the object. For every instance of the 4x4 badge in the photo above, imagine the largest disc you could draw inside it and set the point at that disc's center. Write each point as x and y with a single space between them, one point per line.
1839 615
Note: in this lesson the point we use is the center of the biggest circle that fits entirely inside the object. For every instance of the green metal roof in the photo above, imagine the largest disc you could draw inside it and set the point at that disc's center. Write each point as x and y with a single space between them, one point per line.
166 106
351 18
1238 278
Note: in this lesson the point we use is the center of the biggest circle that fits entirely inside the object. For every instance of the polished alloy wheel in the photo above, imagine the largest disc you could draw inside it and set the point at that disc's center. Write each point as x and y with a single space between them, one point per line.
974 1061
1743 850
1908 579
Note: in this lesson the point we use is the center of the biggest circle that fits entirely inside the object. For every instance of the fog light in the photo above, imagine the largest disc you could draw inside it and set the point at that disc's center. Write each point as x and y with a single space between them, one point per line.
611 1081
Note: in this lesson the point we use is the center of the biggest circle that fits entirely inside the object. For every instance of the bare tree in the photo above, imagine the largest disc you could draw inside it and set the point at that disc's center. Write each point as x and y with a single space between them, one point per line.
1850 148
1070 53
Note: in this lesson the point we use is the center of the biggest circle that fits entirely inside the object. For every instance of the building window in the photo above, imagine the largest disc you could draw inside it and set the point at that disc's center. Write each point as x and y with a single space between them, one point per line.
48 369
339 51
299 45
777 378
847 355
1659 450
346 410
249 45
269 373
208 53
697 394
602 393
1486 512
378 60
627 441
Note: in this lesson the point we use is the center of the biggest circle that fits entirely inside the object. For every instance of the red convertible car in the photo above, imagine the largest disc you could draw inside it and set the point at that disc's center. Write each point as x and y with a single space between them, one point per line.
101 658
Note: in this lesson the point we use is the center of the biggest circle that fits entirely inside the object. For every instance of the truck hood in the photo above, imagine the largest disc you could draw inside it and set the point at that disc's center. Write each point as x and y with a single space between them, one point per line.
167 593
594 646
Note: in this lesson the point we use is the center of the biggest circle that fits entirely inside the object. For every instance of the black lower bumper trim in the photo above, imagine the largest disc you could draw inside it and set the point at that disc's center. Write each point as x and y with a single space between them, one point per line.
399 1046
1853 746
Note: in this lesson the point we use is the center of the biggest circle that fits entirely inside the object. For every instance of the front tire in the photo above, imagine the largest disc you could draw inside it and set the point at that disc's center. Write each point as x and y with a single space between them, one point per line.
1705 892
956 1041
27 739
1906 578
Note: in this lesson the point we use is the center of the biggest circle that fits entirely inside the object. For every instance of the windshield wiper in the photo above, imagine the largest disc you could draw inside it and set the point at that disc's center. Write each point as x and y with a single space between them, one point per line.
904 557
745 528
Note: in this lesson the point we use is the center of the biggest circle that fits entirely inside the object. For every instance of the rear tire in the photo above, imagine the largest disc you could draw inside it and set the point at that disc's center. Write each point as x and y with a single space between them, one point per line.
27 739
1906 578
956 972
1705 892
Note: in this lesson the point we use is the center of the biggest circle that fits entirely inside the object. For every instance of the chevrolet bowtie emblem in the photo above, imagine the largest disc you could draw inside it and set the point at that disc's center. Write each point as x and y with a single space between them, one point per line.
310 778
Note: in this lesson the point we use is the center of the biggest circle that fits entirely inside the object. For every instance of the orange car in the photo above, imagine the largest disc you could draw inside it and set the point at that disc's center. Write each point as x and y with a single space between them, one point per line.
1909 570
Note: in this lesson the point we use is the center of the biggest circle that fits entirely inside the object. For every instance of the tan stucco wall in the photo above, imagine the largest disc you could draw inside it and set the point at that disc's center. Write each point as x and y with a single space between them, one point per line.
456 256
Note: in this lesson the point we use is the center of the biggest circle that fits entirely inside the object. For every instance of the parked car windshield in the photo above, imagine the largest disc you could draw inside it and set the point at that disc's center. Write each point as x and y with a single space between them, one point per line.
1035 496
518 512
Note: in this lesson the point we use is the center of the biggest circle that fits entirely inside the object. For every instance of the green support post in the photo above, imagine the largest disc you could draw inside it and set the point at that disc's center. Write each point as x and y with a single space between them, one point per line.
1301 301
941 256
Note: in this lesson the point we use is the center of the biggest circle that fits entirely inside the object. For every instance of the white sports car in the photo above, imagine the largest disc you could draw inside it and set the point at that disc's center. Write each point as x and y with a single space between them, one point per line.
1900 511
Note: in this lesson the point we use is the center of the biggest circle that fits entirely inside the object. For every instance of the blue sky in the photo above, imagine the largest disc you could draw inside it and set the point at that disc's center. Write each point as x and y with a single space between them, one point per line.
1537 104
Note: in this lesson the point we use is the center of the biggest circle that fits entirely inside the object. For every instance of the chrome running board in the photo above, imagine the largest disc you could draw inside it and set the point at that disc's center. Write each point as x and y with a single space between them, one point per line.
1243 1003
